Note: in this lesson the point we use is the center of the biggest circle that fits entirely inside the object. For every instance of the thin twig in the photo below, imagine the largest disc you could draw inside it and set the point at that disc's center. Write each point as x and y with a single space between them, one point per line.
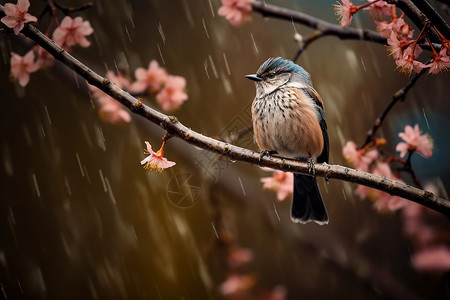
398 96
176 129
305 43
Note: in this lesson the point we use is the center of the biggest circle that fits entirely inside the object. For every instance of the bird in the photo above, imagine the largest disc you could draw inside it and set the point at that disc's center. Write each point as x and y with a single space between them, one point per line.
289 120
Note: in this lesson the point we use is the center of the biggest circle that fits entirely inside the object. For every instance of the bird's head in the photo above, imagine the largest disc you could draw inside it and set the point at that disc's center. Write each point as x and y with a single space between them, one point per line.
277 72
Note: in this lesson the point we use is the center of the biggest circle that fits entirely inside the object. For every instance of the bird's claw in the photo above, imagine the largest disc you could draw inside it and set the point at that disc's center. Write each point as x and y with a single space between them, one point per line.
311 167
266 153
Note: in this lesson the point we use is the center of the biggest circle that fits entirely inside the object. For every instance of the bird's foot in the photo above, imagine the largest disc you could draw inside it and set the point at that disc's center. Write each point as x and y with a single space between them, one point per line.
311 166
266 153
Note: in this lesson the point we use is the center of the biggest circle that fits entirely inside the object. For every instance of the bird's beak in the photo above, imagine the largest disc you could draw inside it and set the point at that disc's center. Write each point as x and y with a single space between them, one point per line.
253 77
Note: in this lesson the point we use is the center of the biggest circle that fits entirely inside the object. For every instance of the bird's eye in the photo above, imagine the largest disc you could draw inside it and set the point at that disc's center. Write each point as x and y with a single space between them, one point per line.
271 75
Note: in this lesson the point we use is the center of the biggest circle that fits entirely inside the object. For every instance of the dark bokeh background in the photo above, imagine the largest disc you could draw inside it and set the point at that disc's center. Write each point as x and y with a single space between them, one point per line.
80 218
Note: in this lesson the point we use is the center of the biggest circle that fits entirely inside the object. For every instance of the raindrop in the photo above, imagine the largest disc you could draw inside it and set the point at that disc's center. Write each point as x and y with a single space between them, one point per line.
111 195
226 63
242 186
276 212
364 66
425 116
79 163
215 231
343 193
204 27
103 180
66 183
47 114
160 54
254 43
205 66
128 34
213 67
212 9
36 186
161 32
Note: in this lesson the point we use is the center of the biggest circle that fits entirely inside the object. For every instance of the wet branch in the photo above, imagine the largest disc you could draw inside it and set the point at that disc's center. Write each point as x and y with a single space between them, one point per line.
306 42
327 28
175 128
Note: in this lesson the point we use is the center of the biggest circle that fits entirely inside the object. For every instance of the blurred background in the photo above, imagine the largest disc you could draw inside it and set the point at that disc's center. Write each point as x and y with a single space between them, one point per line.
81 219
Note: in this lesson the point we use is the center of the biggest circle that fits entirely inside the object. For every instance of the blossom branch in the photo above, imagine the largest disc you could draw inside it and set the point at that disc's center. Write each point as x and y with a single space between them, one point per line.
326 28
415 14
433 16
400 95
175 128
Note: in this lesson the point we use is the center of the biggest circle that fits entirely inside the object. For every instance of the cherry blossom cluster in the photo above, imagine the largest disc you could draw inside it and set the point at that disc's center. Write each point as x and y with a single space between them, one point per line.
69 33
401 45
415 217
369 159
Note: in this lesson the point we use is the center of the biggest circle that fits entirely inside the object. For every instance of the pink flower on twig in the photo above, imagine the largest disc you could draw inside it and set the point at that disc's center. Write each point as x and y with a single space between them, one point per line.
414 141
156 160
149 80
379 9
172 95
281 182
73 31
440 62
17 15
237 286
345 12
236 11
22 67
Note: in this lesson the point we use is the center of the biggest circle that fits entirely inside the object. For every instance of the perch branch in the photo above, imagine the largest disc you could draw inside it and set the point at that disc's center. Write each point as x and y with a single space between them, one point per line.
175 128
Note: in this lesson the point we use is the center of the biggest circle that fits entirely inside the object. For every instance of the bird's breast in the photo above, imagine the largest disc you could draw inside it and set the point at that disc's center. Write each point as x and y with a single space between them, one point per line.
286 121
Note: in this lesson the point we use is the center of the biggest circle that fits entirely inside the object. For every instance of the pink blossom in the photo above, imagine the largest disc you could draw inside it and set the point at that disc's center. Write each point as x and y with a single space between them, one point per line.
238 256
360 159
110 110
345 12
73 31
414 141
22 67
281 182
408 62
439 63
379 9
237 286
156 160
236 11
149 80
17 15
432 259
172 95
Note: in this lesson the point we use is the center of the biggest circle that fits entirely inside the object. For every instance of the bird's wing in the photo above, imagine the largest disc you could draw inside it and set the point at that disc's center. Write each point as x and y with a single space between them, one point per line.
324 156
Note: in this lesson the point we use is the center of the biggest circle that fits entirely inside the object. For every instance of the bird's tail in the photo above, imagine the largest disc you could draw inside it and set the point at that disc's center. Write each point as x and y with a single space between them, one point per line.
307 204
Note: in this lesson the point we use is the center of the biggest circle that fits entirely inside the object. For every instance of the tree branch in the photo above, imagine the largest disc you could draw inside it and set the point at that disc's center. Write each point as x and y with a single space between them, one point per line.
434 17
326 28
175 128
